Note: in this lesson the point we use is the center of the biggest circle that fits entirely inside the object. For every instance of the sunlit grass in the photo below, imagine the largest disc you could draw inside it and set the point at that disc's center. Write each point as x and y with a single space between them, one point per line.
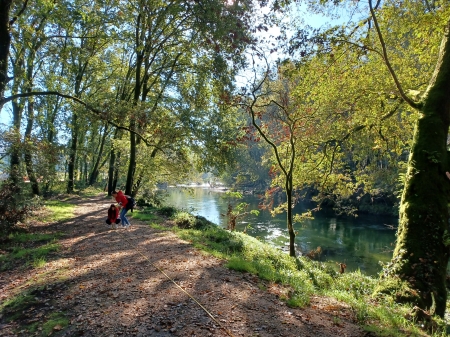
37 252
58 211
91 191
147 214
38 262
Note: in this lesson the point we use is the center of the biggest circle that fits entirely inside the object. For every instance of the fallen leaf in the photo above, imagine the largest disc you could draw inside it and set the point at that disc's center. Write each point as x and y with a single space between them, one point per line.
57 327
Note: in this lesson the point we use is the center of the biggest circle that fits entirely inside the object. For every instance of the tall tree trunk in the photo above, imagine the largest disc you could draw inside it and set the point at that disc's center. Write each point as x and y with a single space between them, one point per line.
116 173
95 170
28 158
290 223
72 155
132 161
85 176
5 42
423 239
112 163
137 94
15 175
112 160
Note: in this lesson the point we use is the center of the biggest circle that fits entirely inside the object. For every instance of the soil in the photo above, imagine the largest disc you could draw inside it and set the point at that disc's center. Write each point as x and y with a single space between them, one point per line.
148 282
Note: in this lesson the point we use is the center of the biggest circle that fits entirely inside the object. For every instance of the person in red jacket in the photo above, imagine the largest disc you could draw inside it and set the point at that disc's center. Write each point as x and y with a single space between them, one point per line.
113 215
123 203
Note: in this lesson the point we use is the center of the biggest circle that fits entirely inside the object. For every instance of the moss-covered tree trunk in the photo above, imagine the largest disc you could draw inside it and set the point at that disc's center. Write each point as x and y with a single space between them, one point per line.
422 250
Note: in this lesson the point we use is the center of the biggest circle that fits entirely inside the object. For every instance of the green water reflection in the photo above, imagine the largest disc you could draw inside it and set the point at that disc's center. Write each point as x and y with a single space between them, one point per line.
360 242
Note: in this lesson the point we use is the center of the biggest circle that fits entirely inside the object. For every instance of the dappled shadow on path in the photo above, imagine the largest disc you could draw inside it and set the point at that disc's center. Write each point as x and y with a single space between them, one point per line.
109 283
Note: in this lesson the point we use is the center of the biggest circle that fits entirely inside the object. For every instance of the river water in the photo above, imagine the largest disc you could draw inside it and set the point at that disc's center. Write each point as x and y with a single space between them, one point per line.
359 242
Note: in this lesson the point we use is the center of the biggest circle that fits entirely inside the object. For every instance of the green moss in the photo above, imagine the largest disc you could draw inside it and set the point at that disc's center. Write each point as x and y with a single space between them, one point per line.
56 321
14 308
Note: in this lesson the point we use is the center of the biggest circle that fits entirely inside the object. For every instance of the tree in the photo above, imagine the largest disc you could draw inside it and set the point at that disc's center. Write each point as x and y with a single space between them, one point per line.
397 36
5 42
422 249
275 119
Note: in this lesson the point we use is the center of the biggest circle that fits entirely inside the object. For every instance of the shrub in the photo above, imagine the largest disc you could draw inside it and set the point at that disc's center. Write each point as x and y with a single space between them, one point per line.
14 208
184 220
167 211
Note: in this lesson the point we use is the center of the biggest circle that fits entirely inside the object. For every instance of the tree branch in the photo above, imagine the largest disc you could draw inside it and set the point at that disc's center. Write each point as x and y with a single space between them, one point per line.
14 19
408 100
98 112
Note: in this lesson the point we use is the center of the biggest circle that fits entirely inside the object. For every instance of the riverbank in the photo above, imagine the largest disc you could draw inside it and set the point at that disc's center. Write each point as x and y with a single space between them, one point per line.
151 280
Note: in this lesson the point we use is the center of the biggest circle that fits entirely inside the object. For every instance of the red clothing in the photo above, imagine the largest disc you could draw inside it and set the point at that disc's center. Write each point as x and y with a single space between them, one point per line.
121 199
113 214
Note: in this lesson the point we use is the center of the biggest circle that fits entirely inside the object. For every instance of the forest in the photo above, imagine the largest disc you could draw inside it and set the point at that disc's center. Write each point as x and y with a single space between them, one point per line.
130 94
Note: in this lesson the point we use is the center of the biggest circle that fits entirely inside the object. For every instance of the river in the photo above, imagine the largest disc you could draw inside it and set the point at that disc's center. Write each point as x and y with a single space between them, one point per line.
359 242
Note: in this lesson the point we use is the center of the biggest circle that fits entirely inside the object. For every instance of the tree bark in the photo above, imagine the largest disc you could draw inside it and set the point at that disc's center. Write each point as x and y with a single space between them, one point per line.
28 158
116 174
5 42
15 147
112 163
132 161
423 239
290 222
72 154
95 170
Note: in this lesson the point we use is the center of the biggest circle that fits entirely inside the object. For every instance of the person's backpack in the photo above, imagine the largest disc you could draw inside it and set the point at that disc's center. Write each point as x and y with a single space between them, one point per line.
130 203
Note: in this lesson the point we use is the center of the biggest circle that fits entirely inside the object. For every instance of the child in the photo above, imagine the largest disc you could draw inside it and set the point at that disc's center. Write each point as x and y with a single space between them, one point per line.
113 215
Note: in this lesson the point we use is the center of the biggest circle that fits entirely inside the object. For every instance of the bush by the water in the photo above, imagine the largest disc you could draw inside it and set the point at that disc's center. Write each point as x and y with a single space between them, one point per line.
188 221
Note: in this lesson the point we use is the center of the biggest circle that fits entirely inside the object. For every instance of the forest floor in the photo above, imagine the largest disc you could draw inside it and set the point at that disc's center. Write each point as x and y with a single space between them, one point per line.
147 282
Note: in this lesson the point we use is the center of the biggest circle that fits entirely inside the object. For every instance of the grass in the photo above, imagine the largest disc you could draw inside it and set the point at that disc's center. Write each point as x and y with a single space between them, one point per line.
148 214
24 249
90 191
30 237
55 322
15 309
58 211
31 249
305 278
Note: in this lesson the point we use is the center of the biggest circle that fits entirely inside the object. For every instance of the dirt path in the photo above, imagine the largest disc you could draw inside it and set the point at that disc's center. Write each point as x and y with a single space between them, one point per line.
107 288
